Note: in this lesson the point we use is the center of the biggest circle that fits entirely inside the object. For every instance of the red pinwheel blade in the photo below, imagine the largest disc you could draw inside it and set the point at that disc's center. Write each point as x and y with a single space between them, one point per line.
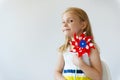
82 44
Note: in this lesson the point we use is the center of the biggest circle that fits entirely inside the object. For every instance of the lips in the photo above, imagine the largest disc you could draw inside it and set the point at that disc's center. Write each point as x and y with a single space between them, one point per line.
66 30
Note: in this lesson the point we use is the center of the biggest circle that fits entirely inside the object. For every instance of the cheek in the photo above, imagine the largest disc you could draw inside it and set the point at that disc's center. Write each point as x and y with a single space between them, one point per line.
76 29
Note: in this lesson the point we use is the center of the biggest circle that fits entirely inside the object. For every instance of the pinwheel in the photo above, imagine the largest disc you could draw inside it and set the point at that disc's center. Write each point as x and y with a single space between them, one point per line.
82 44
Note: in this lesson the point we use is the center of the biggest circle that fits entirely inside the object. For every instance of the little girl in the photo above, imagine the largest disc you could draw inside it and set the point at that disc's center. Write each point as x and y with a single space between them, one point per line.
70 66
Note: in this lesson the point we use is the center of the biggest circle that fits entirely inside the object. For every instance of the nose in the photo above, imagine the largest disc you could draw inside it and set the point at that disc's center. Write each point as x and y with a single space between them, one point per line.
65 25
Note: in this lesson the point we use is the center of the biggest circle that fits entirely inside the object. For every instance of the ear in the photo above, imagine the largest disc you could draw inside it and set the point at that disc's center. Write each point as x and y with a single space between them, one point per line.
83 25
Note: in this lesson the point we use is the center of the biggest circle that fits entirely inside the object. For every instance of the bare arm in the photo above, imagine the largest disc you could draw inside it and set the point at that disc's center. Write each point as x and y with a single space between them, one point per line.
59 68
95 70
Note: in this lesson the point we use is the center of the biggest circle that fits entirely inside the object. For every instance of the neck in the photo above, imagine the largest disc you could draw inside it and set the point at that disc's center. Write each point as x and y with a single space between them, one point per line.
78 34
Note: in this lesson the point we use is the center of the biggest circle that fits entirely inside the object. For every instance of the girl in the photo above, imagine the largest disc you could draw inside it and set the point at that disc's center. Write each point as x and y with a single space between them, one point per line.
75 20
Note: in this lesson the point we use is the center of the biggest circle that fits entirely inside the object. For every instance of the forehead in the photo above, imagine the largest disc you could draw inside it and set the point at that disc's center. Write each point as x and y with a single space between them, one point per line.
69 15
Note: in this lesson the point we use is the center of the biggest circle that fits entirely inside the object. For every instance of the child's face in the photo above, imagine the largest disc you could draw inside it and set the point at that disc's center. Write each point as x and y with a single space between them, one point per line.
71 24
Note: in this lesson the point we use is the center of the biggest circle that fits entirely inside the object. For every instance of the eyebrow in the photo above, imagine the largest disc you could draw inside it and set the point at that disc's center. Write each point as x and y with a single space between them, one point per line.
69 18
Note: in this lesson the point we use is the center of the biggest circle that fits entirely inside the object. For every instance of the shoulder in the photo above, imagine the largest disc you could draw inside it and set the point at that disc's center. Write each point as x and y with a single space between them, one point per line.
60 55
96 50
95 54
60 58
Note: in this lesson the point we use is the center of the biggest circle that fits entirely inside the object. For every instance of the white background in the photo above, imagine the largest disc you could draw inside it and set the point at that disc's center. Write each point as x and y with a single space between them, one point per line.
30 33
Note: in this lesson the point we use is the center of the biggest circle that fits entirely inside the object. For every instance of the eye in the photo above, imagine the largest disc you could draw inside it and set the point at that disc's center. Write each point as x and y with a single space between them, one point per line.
71 20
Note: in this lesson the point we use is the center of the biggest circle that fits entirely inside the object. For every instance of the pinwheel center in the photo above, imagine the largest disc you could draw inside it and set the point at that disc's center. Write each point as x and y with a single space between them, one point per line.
82 43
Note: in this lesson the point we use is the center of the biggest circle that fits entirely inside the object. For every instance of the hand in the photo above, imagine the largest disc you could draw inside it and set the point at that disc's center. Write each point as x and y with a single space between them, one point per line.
78 61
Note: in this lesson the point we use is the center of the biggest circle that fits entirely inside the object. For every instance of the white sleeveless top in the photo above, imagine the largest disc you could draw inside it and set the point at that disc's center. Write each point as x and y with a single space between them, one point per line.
68 57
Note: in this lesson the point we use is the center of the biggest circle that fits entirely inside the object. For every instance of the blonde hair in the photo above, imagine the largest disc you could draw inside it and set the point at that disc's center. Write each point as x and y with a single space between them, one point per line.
83 17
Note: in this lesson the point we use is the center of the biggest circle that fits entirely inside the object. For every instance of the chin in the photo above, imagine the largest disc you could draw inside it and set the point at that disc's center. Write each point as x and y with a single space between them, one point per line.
68 35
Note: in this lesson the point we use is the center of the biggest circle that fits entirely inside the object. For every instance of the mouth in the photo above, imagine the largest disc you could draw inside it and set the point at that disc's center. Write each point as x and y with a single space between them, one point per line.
66 30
